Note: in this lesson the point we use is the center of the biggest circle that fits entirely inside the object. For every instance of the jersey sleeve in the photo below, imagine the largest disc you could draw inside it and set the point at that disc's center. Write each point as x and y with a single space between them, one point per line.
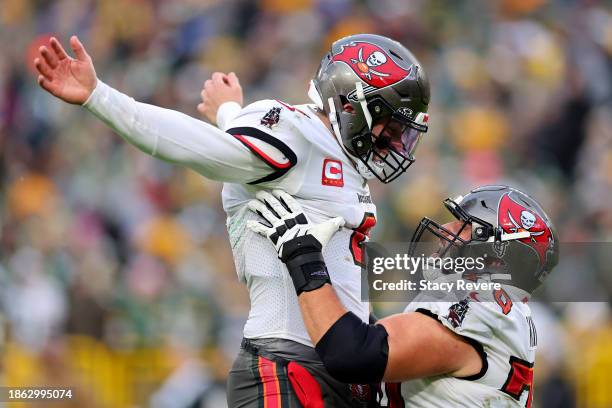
267 129
176 137
226 113
474 321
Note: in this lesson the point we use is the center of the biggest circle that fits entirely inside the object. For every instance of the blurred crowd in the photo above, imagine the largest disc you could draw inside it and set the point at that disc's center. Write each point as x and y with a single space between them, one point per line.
108 255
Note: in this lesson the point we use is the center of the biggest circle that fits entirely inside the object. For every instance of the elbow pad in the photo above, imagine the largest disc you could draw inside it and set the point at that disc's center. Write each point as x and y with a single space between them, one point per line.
353 351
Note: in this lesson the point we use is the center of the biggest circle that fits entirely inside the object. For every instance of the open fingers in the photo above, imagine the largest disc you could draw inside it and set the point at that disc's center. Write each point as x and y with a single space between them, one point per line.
60 52
259 228
43 68
261 209
324 231
288 201
48 57
273 204
46 84
78 48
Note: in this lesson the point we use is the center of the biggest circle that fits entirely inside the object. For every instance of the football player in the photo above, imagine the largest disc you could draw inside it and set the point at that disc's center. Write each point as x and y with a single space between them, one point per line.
475 351
370 99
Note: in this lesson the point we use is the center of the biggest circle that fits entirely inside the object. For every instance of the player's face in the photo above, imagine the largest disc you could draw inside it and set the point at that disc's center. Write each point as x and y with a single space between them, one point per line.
391 134
441 240
463 230
455 227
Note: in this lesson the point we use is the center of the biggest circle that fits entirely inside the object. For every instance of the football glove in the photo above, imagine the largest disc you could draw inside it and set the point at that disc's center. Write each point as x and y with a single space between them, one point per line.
299 243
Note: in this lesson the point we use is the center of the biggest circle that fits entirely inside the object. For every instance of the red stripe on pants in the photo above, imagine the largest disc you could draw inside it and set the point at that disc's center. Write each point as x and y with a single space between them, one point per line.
271 386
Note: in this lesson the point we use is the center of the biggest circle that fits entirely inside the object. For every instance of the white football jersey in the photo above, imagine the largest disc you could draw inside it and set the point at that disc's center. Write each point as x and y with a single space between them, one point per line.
307 162
268 144
499 325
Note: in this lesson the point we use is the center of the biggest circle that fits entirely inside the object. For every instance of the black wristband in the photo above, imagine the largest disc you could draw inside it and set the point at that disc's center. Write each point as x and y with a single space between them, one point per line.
304 260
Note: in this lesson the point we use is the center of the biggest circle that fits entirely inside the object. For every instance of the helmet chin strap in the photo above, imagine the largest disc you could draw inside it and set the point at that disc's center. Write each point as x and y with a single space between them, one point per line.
333 119
366 172
315 97
313 94
364 106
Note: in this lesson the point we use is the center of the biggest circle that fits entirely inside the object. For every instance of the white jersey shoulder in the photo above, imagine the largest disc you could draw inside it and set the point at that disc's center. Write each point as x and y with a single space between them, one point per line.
307 161
270 138
500 327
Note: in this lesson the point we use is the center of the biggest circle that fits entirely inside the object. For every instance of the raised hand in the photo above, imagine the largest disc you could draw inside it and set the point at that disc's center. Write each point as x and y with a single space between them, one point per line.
217 90
71 80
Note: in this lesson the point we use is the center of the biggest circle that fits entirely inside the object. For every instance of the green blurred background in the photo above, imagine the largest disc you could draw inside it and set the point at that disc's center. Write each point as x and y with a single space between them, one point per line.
116 276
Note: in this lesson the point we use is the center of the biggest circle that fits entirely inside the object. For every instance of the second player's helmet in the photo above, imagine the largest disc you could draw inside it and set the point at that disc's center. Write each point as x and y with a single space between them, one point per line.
385 84
509 230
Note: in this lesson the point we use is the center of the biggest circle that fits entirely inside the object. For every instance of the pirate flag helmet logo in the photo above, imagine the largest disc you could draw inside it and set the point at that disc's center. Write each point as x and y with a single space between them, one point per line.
514 217
371 63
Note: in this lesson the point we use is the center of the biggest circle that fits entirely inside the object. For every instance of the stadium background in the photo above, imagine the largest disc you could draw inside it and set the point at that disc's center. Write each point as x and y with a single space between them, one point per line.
115 271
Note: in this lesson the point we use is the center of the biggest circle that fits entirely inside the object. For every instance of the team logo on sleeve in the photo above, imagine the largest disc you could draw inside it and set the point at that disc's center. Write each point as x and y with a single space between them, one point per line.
371 63
271 118
514 217
332 173
457 312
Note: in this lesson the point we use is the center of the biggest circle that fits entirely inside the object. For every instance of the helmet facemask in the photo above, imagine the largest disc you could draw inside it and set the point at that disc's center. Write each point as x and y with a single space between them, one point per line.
388 140
392 150
485 241
451 244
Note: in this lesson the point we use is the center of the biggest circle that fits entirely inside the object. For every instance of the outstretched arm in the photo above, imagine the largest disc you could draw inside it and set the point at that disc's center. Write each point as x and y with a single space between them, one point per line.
175 137
400 347
162 133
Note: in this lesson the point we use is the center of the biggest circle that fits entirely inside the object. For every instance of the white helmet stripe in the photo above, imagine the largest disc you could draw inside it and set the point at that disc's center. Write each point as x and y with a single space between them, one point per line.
511 236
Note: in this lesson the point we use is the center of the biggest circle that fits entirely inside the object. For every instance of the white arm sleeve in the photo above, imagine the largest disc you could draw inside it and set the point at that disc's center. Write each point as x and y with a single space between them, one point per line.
176 137
226 113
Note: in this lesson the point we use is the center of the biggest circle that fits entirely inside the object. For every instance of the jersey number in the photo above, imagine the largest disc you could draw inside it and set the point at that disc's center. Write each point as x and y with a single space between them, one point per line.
519 379
359 236
503 300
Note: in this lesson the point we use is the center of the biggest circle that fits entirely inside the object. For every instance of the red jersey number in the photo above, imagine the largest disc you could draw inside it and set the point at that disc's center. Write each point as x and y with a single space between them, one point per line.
503 300
359 236
520 379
